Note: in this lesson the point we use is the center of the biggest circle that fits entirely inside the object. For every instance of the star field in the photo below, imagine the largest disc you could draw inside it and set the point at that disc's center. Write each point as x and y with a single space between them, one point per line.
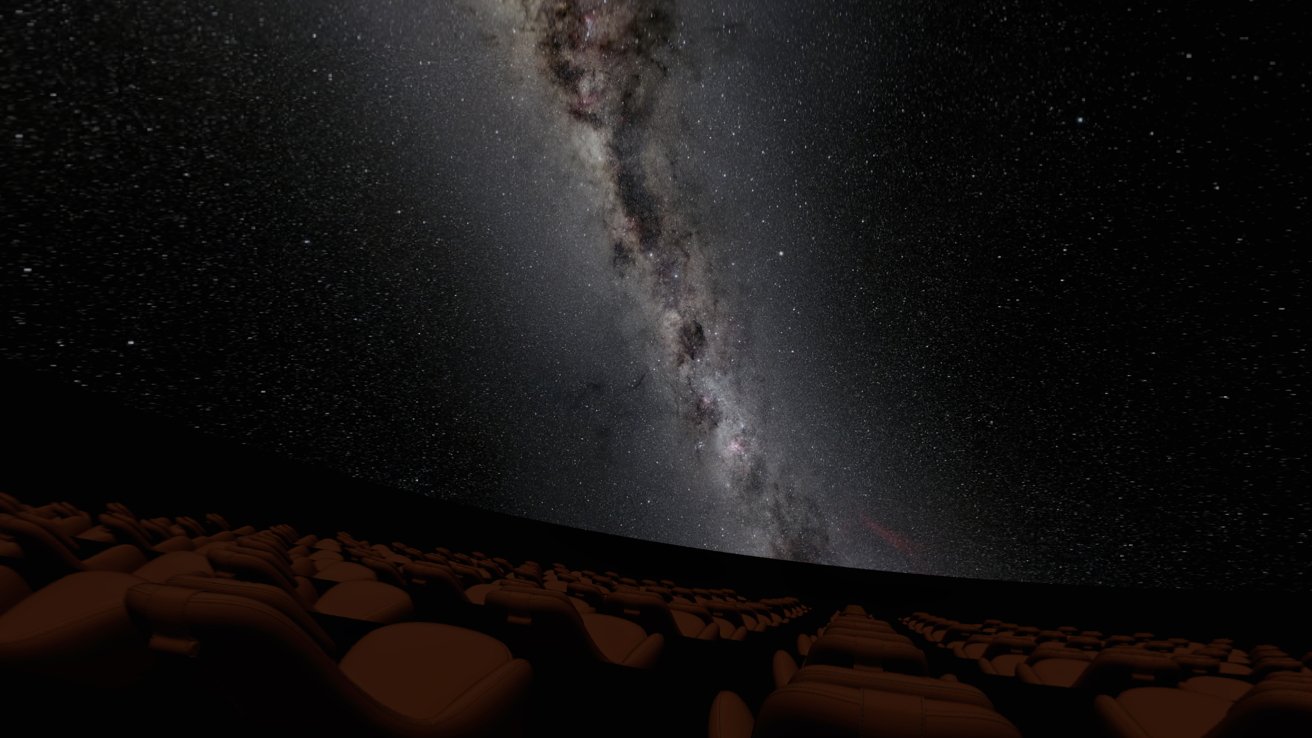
1012 291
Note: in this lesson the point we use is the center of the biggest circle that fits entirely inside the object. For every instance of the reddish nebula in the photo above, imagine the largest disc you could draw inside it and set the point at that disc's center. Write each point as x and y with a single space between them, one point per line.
890 536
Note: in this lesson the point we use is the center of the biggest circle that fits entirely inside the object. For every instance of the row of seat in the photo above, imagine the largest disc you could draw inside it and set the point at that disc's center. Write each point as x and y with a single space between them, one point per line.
1068 657
106 603
1142 685
860 677
338 633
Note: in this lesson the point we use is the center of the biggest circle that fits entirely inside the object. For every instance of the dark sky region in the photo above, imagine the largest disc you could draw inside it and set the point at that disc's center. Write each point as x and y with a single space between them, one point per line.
1003 290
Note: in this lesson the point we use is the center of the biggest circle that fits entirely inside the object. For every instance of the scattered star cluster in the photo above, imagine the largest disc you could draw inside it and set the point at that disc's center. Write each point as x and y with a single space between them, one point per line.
1011 291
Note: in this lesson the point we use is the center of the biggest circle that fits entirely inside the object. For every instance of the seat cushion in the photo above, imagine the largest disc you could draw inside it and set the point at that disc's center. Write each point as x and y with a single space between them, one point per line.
1059 672
1162 712
346 571
823 710
13 589
730 717
615 637
174 564
123 558
421 669
1218 686
76 628
374 602
928 687
690 626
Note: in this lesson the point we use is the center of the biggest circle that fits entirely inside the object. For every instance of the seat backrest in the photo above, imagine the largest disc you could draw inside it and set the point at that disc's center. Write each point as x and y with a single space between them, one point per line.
125 529
253 654
13 588
1118 669
822 710
869 653
47 554
645 609
249 565
553 622
1008 645
1271 709
594 596
437 583
274 597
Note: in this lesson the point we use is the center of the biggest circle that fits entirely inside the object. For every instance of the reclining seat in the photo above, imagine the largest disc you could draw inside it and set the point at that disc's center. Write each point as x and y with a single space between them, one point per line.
730 621
895 654
129 530
219 524
1004 654
655 616
820 710
363 599
1271 709
13 589
557 630
973 648
786 672
1118 669
407 679
1055 664
48 555
74 630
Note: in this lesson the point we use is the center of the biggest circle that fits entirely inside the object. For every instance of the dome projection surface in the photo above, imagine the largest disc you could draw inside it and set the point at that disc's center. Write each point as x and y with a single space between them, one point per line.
1002 291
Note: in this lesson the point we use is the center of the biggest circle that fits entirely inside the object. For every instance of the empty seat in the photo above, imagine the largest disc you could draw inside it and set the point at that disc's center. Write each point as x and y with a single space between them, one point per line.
886 681
553 627
13 589
1004 654
152 543
75 629
1054 666
49 554
1119 669
655 616
867 653
1217 686
823 710
409 679
356 599
1268 710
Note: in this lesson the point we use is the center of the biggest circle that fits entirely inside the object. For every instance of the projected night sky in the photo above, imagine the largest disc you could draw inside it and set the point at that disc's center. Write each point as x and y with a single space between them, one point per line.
1003 290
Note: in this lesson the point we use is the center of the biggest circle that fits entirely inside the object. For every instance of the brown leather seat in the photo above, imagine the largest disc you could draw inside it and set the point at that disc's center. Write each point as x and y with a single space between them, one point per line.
13 589
48 555
127 530
820 710
409 679
361 598
346 571
558 629
1118 669
255 565
367 600
1217 686
1005 653
655 616
973 648
1054 665
867 653
1268 710
885 681
436 587
76 629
